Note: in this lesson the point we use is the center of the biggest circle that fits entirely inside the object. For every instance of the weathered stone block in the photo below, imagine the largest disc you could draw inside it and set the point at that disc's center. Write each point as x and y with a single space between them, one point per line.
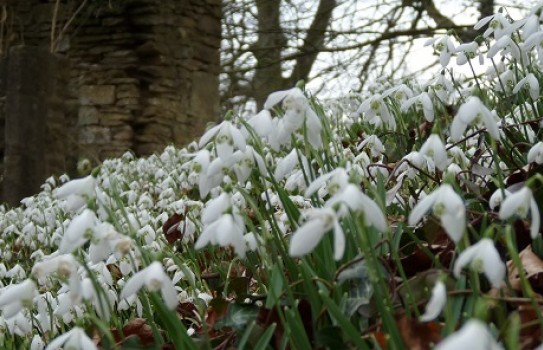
87 115
94 135
97 94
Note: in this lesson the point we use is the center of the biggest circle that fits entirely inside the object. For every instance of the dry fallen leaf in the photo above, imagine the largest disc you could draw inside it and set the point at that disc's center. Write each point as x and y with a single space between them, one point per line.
533 268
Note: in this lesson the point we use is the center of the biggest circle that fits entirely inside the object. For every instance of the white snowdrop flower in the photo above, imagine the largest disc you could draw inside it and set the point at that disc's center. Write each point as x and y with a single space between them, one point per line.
226 231
251 241
422 101
246 161
375 111
498 25
215 207
307 236
507 46
415 159
535 155
297 112
441 87
261 123
75 339
530 26
226 137
374 144
286 165
473 111
483 257
37 343
497 198
437 302
434 149
521 203
468 51
453 169
506 82
213 176
65 265
399 92
535 40
16 273
529 82
444 46
335 181
352 197
78 232
447 206
20 324
15 297
76 192
473 335
154 279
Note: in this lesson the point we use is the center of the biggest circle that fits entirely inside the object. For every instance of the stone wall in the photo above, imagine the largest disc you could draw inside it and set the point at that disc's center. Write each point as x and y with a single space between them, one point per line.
142 73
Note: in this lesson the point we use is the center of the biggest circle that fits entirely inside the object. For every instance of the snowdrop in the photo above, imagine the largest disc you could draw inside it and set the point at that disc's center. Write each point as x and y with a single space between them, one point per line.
297 112
468 51
374 144
375 111
529 82
447 206
434 149
75 339
498 25
437 302
483 257
262 123
521 203
227 230
441 87
473 335
154 279
76 192
307 236
15 297
226 136
444 46
79 231
534 41
507 46
413 159
473 111
422 101
497 198
535 154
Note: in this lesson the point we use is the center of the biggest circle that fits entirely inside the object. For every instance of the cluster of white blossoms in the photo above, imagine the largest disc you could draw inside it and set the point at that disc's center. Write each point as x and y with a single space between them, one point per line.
96 244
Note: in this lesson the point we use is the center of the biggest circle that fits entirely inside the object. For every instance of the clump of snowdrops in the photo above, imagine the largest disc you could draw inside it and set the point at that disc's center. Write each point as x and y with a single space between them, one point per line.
413 217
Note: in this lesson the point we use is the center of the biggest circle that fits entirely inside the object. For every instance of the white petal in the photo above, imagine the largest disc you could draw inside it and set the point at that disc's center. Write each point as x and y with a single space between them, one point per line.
536 219
75 235
169 294
465 257
276 97
512 203
59 341
306 238
208 135
473 335
458 127
339 241
437 302
421 208
133 285
493 266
